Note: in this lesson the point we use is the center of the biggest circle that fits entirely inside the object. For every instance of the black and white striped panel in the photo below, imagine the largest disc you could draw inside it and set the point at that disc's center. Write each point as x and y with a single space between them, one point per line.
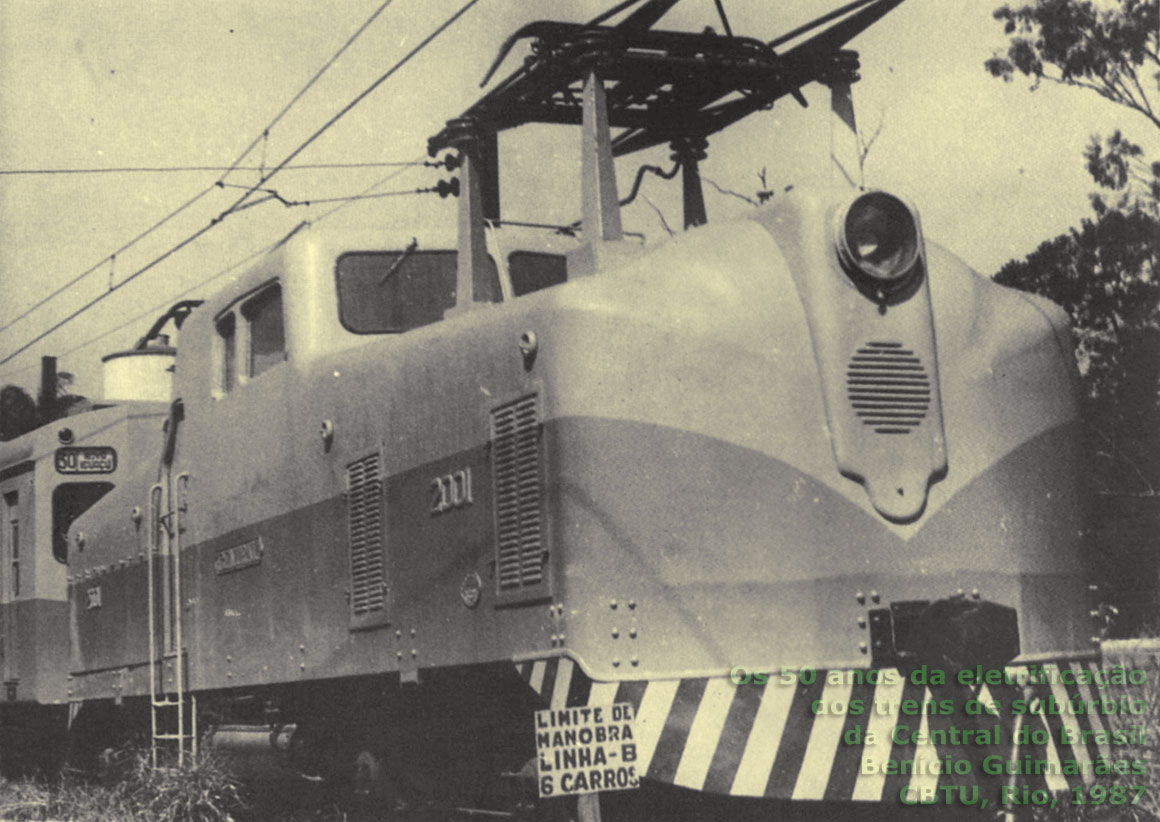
707 734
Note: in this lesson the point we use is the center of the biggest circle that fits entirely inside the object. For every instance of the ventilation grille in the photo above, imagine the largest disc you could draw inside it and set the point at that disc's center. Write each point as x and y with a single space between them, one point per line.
364 501
888 387
515 434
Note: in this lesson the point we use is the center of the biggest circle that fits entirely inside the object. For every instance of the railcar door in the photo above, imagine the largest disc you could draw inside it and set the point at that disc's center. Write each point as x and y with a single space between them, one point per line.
15 543
11 530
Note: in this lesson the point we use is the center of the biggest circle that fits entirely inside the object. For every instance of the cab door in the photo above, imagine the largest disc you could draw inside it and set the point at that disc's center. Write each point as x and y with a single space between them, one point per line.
242 564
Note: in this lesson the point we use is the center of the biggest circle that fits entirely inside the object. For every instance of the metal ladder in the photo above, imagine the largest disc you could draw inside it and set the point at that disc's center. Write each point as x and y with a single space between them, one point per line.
167 506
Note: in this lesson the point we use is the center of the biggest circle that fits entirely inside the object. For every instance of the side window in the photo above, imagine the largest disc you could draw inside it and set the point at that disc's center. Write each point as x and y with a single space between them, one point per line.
69 501
12 526
227 329
251 339
267 334
531 271
395 291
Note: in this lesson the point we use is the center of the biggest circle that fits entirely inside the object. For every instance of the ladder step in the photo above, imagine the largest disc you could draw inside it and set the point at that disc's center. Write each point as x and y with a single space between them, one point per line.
173 736
167 703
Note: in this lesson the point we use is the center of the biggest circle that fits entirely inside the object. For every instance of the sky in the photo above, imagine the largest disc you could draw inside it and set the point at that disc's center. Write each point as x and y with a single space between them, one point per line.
993 168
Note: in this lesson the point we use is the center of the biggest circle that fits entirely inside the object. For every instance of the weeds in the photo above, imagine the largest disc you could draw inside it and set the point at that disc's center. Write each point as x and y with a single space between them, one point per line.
1145 658
199 791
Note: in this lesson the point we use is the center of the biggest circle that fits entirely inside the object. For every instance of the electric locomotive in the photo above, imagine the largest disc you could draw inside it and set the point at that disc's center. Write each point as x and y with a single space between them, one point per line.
411 488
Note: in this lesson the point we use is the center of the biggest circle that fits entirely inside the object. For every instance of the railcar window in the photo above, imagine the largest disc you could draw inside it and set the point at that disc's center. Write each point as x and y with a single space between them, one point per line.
69 501
267 335
227 333
531 271
395 291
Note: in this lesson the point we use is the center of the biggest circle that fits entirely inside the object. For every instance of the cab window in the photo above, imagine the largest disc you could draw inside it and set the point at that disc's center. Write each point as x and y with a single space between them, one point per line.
531 271
263 314
227 342
251 338
394 291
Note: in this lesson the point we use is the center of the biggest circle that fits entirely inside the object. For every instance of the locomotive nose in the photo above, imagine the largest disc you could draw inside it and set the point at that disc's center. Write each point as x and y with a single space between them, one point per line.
865 291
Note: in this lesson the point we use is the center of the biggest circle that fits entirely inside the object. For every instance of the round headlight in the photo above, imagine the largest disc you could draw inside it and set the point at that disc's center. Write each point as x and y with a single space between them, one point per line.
878 238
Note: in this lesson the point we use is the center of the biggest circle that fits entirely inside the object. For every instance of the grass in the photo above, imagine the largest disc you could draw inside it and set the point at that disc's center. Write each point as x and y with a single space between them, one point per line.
204 791
200 791
1148 807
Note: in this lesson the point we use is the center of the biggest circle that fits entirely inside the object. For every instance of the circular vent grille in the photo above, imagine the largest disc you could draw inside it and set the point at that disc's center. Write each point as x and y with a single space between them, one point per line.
888 387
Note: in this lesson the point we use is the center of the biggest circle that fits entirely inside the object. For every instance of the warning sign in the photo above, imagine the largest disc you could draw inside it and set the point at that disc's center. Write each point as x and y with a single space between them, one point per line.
585 750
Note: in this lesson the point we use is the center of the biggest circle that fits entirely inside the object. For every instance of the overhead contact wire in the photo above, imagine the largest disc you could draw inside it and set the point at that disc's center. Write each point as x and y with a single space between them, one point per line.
401 167
105 294
169 301
233 166
110 257
446 24
175 169
309 83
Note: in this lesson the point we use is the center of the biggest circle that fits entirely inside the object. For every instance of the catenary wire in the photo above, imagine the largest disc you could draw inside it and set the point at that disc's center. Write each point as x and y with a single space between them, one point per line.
265 177
264 133
401 168
72 316
109 257
446 24
174 169
234 266
309 83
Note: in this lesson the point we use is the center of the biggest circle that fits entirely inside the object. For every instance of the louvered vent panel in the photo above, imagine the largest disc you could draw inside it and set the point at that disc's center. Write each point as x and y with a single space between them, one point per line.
365 515
515 435
888 387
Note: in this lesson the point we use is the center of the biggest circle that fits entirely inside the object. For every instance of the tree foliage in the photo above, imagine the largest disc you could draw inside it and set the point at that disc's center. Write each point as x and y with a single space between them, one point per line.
1105 275
17 412
1111 49
20 413
1106 272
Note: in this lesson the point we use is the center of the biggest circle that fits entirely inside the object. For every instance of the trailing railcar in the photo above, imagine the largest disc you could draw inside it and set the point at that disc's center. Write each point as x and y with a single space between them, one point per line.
48 478
412 488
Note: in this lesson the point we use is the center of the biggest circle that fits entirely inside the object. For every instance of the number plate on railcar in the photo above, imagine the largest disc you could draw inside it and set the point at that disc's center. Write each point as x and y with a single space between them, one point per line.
237 557
97 459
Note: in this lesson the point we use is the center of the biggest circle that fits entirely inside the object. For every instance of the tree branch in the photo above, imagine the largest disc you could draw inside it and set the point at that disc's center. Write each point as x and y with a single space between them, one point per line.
1118 456
660 214
729 192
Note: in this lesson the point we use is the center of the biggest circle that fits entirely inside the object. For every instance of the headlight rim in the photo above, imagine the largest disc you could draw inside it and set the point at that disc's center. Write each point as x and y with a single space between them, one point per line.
865 272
